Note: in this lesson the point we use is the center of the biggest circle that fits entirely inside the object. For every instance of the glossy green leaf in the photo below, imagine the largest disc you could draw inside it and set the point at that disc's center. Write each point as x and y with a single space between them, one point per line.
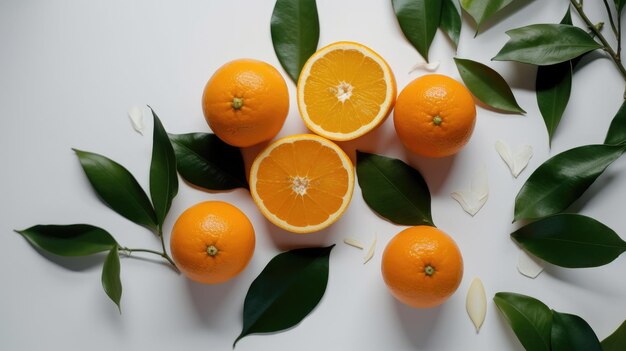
546 44
450 21
393 189
617 130
111 277
295 32
419 20
286 291
617 340
554 85
118 188
570 240
163 177
487 85
553 88
482 10
572 333
69 240
562 179
619 4
206 161
529 318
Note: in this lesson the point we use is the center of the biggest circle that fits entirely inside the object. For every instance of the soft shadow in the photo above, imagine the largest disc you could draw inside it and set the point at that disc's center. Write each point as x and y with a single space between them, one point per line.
418 323
284 240
588 58
518 78
376 141
434 170
76 264
592 192
209 298
498 16
574 277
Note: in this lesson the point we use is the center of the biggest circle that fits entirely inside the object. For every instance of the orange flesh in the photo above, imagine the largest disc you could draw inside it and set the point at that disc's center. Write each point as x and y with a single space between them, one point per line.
351 75
302 191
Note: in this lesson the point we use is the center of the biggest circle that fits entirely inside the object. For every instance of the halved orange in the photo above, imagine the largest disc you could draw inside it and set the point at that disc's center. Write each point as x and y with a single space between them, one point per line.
302 183
345 90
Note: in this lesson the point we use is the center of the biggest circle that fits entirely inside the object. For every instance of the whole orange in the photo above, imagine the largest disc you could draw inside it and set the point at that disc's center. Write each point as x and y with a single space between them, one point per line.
212 242
434 116
246 102
422 266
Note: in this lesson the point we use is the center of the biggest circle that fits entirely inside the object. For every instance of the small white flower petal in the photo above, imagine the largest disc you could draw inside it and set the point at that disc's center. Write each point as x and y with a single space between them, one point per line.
353 243
135 114
515 161
429 67
528 265
473 200
370 252
476 303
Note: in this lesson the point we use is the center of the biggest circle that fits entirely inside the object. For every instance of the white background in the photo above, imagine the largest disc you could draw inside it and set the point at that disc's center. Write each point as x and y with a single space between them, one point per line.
70 70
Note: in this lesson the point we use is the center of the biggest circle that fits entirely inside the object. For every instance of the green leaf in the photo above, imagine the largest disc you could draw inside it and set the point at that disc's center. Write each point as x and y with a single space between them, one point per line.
487 85
163 178
570 240
393 189
418 20
206 161
546 44
111 277
286 291
617 130
450 20
619 4
482 10
554 85
567 18
295 32
617 340
529 318
69 240
118 188
562 179
572 333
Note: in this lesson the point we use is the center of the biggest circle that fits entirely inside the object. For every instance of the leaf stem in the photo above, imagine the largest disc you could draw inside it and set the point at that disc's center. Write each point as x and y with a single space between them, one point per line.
579 8
608 10
163 254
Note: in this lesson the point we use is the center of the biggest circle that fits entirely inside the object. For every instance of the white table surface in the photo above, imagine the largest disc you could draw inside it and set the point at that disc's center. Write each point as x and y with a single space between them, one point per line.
69 72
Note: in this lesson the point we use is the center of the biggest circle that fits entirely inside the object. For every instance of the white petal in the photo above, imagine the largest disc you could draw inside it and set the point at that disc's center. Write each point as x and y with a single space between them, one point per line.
528 265
473 200
515 161
521 159
429 67
476 303
353 243
136 118
370 252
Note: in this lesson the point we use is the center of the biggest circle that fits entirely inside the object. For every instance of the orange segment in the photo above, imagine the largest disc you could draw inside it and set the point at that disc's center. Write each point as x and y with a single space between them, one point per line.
302 183
345 90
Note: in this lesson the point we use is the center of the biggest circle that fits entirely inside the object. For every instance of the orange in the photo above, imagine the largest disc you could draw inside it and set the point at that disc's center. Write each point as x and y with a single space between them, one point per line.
345 90
434 116
422 266
212 242
246 102
302 183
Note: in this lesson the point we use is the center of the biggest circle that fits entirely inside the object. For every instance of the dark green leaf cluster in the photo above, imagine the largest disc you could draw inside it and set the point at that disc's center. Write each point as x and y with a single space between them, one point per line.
540 329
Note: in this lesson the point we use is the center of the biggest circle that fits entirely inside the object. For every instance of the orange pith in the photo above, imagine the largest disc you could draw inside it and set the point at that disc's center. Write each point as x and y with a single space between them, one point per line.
212 242
434 116
302 183
345 90
422 266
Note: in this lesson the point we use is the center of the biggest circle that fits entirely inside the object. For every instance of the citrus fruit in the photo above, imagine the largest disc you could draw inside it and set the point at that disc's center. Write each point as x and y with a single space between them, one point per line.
302 183
246 102
434 116
422 266
345 90
212 242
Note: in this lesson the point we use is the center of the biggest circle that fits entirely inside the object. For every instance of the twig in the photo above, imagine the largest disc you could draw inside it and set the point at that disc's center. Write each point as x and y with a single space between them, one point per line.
608 11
